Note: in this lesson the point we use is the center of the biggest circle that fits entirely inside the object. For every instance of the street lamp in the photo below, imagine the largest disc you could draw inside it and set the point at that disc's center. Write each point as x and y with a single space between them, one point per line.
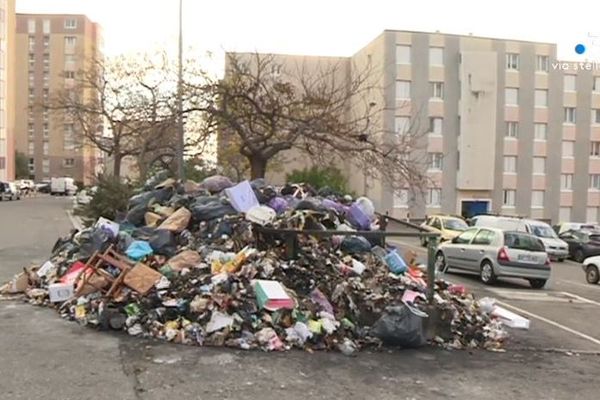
180 130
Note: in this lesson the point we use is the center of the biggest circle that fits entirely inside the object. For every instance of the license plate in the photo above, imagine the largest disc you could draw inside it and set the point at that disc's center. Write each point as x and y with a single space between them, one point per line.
525 257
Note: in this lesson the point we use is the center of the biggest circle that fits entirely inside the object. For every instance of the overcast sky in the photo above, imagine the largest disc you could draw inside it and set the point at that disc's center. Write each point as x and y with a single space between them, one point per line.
325 27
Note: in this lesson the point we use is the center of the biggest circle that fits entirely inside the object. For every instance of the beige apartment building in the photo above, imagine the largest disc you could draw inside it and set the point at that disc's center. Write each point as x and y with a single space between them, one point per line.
7 90
508 127
50 51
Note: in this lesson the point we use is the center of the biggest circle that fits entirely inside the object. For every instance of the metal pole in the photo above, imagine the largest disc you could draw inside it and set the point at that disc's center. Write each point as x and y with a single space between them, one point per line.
431 247
180 129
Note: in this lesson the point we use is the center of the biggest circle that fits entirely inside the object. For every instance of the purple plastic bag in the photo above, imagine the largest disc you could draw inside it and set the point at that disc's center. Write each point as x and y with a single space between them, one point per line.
358 218
279 204
333 205
317 297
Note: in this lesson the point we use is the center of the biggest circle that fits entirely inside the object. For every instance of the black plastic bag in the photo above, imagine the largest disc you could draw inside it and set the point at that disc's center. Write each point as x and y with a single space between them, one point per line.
135 216
163 242
355 244
399 326
94 240
206 212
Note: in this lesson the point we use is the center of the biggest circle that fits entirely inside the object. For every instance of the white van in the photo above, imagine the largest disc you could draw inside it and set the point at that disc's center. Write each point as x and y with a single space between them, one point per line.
63 186
556 248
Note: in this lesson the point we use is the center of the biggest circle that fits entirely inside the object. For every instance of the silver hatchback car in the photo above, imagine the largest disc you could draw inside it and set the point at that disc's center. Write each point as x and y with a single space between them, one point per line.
494 253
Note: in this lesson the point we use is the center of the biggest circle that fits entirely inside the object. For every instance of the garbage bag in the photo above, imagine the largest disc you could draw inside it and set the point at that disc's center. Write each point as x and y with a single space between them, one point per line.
156 179
355 244
177 221
367 207
138 250
401 327
163 242
358 218
279 204
212 210
333 205
308 204
92 241
124 241
261 215
258 183
136 215
203 200
142 198
163 195
216 183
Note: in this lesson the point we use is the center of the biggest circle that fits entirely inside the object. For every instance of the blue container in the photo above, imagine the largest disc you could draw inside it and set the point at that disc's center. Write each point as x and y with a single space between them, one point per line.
395 263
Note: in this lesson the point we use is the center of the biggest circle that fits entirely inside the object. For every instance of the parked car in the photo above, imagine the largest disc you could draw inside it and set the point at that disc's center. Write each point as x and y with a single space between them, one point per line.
43 187
590 267
575 226
446 225
9 191
493 253
556 248
25 184
582 244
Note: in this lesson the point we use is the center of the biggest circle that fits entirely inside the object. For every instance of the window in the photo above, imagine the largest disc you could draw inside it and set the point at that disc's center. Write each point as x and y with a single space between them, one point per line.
596 85
596 116
564 214
508 197
402 125
537 198
31 165
541 98
46 42
435 161
70 23
436 56
46 148
46 130
31 26
401 198
512 61
466 236
542 64
69 58
46 25
539 165
595 149
30 129
566 181
402 54
569 115
46 166
484 237
434 197
69 137
567 149
70 41
70 74
512 129
68 162
436 125
511 96
31 46
510 164
569 83
437 90
540 131
30 148
31 93
402 90
595 181
592 214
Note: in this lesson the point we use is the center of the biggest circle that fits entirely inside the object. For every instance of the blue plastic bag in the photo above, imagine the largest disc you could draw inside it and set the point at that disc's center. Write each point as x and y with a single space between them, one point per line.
395 262
138 250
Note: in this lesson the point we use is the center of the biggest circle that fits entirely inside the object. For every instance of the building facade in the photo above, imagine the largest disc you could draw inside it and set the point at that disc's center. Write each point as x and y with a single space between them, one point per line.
508 128
51 49
7 90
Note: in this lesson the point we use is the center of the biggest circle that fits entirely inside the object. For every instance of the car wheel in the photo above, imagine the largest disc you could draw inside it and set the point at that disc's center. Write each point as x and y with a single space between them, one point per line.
579 256
537 283
487 274
440 262
591 274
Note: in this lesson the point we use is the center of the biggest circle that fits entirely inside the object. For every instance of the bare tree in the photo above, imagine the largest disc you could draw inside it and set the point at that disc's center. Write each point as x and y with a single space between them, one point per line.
123 106
325 112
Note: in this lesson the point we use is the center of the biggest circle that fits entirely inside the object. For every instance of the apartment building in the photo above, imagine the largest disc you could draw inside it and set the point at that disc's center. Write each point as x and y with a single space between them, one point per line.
508 127
7 90
50 51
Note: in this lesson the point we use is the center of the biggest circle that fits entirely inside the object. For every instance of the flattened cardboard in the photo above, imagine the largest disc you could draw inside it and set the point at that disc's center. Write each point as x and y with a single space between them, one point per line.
141 278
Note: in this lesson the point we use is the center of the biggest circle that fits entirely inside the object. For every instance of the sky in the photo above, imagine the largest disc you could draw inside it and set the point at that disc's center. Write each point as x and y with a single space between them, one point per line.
325 27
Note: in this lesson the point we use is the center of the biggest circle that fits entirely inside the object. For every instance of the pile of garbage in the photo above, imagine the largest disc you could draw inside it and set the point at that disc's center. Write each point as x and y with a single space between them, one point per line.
189 263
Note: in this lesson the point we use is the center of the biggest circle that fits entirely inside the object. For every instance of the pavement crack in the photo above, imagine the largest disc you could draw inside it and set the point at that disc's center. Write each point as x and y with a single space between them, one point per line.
131 371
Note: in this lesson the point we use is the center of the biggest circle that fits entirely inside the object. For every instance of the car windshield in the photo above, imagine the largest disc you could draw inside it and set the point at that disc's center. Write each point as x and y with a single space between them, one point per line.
455 224
543 231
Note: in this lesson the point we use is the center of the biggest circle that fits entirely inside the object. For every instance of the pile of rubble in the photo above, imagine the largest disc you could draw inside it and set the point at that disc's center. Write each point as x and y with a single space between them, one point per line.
189 264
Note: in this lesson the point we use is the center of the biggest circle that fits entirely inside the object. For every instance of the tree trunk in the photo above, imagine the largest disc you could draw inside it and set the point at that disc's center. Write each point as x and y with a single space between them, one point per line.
117 165
258 167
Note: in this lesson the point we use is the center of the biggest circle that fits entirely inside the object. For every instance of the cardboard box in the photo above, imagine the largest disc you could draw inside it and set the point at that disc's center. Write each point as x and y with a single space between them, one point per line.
60 292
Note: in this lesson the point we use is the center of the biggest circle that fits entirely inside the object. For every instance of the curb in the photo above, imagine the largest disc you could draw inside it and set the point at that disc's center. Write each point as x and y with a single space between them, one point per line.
75 220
